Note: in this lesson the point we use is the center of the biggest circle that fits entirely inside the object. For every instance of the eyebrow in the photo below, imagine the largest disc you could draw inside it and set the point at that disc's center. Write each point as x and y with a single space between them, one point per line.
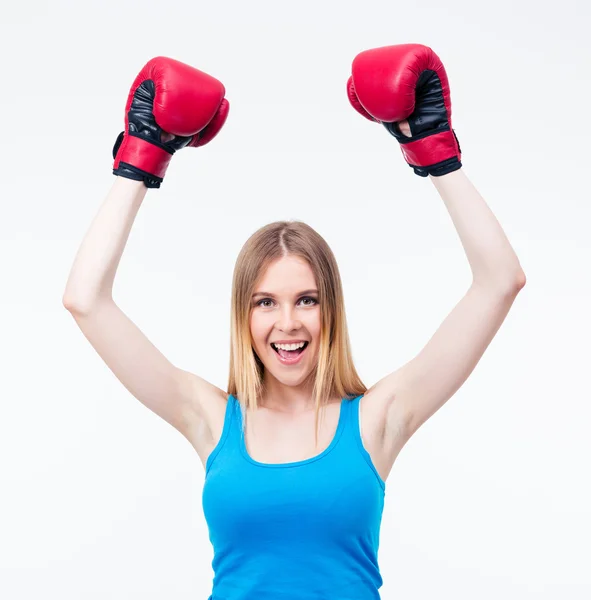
273 295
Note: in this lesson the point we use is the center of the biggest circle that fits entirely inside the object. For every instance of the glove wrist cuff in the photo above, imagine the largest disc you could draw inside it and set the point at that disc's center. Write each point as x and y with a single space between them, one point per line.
131 172
430 153
142 157
439 169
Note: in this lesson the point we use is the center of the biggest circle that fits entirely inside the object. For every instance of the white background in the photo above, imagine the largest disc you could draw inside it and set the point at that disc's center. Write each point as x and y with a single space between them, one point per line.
102 499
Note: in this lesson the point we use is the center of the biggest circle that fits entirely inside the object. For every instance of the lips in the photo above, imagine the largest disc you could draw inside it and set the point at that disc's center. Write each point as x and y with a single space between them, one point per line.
291 360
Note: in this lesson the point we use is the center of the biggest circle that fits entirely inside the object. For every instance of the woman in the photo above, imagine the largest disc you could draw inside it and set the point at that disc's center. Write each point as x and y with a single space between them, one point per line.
294 501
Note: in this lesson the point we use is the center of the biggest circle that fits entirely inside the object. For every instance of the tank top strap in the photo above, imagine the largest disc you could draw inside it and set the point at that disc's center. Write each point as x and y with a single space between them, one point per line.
231 431
353 435
351 408
234 417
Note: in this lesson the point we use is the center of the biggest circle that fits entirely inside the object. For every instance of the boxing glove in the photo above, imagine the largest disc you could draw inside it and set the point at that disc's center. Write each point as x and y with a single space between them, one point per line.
408 82
170 105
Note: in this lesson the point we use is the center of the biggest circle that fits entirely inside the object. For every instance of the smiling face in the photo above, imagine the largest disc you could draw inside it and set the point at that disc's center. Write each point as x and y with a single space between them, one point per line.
285 308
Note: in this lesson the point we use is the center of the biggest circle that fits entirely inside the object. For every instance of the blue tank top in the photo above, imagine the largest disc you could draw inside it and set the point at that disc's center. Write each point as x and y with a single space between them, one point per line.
306 530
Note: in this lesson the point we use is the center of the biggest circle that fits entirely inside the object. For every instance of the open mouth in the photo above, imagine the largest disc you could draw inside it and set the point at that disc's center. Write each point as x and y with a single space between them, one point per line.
290 356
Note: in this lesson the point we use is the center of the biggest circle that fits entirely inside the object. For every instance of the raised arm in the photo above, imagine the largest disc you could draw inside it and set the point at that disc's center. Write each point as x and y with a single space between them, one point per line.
141 157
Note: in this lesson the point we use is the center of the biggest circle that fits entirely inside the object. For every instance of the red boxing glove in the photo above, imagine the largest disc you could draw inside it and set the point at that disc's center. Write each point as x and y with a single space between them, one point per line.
408 81
167 97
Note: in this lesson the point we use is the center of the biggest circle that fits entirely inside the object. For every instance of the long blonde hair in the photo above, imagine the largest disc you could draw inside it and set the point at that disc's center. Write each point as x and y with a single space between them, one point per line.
335 373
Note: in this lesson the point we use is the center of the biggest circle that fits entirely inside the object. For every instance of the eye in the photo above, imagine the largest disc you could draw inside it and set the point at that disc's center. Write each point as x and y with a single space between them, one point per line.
314 301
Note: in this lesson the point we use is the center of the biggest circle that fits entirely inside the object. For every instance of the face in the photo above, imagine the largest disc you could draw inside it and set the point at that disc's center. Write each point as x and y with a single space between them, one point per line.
284 308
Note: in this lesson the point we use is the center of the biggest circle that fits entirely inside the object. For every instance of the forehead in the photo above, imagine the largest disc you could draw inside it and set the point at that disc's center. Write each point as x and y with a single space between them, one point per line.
286 273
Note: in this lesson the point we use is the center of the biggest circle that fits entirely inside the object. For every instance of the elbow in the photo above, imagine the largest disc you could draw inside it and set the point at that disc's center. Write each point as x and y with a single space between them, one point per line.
83 306
519 281
77 305
67 302
504 285
522 280
515 284
71 304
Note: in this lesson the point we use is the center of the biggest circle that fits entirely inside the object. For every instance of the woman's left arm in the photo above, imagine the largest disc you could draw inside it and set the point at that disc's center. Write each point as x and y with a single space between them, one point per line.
493 261
420 387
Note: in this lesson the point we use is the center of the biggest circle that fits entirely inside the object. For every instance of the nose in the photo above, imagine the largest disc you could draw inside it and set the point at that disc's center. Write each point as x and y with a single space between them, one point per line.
287 320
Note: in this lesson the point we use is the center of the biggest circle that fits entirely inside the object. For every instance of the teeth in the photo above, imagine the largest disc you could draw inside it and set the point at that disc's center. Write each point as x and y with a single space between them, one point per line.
289 346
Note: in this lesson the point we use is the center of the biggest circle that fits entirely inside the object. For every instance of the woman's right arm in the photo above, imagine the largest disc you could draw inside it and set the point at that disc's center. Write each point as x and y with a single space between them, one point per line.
172 393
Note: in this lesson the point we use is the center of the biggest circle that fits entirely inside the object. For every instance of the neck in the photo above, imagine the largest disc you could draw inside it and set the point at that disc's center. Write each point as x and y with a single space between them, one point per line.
279 397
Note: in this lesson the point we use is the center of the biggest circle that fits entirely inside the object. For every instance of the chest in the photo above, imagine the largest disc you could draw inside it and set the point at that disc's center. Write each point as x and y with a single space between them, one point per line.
274 438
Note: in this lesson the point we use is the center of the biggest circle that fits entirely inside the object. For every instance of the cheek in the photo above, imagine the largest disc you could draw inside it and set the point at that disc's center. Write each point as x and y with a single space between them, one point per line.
258 330
313 325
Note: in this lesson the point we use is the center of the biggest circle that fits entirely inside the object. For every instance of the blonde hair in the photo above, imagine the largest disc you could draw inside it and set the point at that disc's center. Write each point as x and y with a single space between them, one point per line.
335 373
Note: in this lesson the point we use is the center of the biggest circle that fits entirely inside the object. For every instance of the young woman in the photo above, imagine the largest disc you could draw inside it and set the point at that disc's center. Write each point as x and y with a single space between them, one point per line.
297 450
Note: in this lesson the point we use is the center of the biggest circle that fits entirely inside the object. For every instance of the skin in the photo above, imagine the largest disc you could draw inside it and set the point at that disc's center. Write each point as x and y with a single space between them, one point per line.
288 389
404 128
288 315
